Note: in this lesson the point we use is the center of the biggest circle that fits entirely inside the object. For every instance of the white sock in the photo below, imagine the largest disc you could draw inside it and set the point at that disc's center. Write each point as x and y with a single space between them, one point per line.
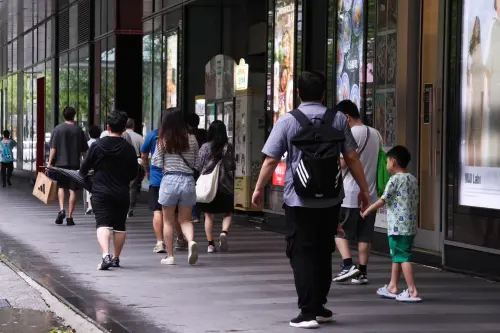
105 254
159 242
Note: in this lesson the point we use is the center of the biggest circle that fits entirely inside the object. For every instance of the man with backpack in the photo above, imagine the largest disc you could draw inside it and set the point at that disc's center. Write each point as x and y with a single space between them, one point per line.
6 146
314 139
352 226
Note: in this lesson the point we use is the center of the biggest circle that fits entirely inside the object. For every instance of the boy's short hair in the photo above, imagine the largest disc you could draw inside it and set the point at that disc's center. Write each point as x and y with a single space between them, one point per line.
94 132
349 108
130 123
401 155
117 120
312 86
6 134
69 113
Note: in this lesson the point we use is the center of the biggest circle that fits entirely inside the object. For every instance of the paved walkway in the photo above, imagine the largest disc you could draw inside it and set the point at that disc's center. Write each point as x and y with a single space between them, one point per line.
249 289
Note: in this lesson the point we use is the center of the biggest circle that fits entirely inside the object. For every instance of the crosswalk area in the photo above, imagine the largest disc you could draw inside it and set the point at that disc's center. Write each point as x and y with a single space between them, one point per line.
248 289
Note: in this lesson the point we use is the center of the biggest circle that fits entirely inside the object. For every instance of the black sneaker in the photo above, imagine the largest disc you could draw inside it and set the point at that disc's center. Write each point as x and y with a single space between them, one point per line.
105 264
9 183
304 321
130 213
346 273
115 262
324 315
60 217
70 222
361 278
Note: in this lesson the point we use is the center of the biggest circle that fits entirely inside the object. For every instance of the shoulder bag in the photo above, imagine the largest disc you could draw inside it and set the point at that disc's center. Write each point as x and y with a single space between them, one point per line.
207 185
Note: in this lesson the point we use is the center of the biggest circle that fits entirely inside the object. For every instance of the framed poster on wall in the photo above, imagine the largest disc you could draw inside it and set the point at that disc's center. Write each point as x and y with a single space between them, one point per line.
283 67
479 175
172 68
350 49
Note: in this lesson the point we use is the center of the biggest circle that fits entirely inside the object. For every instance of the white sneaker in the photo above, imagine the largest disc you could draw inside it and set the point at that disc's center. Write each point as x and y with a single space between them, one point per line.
223 242
168 261
211 249
193 253
159 248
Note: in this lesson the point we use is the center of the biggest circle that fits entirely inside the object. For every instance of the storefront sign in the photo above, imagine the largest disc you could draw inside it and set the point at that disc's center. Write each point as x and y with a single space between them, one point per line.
279 175
428 89
242 75
480 85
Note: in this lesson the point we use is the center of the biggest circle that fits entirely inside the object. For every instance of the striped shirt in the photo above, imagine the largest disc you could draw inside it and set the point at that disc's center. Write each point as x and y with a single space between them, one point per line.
174 162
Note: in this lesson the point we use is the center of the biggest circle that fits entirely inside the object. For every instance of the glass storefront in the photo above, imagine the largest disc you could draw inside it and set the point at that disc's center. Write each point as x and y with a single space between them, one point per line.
473 178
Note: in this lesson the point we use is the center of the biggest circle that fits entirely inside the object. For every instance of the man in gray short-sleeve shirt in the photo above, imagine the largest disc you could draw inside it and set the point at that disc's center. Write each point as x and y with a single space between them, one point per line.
311 223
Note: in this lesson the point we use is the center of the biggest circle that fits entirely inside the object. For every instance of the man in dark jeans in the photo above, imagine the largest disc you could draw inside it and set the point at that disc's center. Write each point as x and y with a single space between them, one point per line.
311 223
67 147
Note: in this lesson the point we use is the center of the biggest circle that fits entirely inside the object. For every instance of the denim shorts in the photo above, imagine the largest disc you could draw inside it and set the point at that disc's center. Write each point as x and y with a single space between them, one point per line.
177 189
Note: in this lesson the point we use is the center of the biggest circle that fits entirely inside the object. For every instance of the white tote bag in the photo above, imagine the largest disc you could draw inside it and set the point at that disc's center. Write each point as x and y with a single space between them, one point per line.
206 185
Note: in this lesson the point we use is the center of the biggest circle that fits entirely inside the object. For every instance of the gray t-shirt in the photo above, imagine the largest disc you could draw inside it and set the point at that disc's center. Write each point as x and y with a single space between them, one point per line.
69 142
278 144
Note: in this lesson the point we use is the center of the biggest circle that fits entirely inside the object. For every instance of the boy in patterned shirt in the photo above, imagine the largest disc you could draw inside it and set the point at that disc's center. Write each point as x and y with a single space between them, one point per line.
401 197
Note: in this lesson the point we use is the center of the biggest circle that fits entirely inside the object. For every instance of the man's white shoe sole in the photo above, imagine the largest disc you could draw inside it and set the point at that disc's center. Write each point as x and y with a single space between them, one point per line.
306 324
347 276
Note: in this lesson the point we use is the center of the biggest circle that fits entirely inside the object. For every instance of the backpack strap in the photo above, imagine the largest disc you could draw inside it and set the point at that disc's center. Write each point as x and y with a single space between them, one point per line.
329 116
301 118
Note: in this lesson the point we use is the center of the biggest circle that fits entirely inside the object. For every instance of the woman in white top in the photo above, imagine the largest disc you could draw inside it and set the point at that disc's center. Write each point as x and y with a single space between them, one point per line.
176 154
475 85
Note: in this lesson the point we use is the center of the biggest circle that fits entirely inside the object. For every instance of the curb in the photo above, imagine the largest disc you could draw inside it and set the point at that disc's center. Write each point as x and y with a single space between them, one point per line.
71 316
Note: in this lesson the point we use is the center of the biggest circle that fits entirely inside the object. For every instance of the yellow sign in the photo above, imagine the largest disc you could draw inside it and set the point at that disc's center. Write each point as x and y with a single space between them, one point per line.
242 75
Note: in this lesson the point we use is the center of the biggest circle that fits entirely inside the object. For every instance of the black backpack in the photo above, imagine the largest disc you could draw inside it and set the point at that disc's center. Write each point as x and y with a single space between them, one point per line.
318 174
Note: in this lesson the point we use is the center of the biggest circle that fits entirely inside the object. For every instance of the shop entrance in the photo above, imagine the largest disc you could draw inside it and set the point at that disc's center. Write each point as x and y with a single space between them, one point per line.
431 125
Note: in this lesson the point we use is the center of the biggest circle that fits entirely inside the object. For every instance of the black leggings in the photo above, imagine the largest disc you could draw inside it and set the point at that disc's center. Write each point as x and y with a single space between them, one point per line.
7 169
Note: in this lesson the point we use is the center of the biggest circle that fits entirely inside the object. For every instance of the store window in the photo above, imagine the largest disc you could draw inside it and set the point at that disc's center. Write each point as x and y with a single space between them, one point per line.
63 84
73 81
158 56
82 104
27 141
49 103
147 77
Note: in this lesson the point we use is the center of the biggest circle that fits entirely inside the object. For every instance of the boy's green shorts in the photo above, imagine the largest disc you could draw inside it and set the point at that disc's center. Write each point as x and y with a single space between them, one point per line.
400 247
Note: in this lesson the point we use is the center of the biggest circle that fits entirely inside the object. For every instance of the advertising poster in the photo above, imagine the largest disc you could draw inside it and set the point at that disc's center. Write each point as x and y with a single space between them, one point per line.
380 114
350 50
228 119
240 145
284 46
172 70
480 105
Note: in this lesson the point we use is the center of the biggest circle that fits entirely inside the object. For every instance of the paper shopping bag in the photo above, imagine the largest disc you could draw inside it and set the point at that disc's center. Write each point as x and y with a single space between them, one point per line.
45 189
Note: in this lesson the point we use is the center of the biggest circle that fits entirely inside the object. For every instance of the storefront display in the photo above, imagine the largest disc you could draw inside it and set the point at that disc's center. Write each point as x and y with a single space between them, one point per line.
172 72
284 46
350 51
480 105
283 69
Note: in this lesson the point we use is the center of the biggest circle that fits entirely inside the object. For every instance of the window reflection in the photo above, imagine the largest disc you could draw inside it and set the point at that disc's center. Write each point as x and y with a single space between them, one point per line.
63 84
49 106
147 81
158 56
83 87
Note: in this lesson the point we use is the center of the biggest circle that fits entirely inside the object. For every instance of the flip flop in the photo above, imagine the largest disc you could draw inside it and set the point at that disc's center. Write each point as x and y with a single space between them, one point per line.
405 297
385 293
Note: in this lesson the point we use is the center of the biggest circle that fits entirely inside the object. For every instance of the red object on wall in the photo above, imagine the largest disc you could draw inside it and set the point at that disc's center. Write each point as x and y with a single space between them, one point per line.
40 123
279 174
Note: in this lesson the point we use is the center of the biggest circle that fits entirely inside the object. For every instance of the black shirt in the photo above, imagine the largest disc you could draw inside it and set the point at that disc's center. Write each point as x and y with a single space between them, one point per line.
115 165
69 142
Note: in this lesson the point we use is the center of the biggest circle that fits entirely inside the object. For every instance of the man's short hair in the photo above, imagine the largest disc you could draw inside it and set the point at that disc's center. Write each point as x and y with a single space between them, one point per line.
312 86
401 155
117 120
349 108
6 134
69 113
193 120
130 123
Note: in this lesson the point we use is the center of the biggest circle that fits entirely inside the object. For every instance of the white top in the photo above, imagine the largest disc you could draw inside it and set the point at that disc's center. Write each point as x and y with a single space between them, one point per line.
90 142
137 141
369 160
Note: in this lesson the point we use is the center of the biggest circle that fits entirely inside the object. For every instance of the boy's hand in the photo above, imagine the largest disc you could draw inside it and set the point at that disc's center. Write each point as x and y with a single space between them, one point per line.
364 214
340 231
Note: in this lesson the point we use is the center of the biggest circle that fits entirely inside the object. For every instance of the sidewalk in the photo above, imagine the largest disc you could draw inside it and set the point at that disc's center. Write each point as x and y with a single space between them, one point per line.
249 289
22 308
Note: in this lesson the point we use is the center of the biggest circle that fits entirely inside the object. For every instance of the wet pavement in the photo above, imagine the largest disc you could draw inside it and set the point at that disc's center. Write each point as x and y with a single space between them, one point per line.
249 289
28 321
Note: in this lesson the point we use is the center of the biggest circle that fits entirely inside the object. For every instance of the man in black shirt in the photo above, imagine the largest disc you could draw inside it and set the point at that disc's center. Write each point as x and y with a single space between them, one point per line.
115 165
67 146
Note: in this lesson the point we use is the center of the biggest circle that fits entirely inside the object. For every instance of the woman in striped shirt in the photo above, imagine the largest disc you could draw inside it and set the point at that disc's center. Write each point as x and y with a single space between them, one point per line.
176 155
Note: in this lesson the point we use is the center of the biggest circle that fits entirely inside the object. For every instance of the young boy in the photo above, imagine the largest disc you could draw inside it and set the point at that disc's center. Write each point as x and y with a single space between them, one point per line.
7 157
401 197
